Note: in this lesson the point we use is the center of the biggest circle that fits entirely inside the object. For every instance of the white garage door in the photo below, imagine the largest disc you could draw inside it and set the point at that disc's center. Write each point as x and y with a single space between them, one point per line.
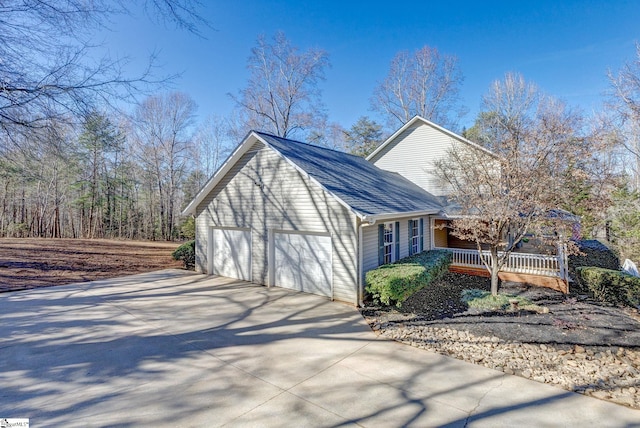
303 263
231 253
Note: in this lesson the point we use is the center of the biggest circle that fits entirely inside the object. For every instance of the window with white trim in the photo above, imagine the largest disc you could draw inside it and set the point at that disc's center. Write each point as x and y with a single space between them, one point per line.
388 243
414 237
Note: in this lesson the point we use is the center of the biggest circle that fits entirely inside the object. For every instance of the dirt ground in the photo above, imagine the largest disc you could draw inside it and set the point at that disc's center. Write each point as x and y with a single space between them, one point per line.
572 319
32 263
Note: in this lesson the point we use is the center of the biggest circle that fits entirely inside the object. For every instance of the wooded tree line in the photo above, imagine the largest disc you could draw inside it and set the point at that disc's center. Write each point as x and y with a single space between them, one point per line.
76 163
124 177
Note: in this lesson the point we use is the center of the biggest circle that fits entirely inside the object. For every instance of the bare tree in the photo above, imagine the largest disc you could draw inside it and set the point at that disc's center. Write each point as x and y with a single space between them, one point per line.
538 151
625 101
626 89
423 83
212 143
282 95
328 134
48 68
163 138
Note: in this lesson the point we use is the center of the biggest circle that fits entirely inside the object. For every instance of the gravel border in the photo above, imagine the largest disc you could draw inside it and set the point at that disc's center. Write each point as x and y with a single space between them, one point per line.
580 345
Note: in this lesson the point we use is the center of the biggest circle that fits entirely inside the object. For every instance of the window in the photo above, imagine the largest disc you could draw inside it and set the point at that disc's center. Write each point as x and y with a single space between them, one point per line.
414 237
388 243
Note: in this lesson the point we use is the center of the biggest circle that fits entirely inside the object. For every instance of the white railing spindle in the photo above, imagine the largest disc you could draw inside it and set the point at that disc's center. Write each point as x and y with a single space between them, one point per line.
536 264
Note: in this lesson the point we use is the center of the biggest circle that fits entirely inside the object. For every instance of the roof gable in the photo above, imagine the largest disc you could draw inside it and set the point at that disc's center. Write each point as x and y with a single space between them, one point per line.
365 189
418 120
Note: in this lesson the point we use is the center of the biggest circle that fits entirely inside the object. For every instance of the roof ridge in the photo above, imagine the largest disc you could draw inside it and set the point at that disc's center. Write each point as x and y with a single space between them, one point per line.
309 144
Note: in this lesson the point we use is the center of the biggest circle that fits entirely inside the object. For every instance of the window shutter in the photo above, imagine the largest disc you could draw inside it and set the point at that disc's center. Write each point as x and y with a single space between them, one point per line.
380 244
397 240
410 223
421 235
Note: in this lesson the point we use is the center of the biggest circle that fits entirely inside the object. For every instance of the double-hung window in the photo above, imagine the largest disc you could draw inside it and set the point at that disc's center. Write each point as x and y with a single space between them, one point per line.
388 243
414 237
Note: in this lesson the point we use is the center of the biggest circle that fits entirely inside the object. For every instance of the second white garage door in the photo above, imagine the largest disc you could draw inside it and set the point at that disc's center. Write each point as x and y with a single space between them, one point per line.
303 262
231 253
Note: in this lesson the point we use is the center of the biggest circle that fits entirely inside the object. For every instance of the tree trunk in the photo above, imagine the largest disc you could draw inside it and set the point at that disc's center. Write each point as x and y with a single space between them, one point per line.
494 281
495 269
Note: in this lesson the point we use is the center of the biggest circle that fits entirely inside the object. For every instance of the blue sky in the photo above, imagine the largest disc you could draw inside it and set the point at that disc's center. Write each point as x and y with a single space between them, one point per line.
564 46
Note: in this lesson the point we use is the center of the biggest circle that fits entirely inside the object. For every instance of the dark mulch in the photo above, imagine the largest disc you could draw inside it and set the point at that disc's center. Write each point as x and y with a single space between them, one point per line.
572 319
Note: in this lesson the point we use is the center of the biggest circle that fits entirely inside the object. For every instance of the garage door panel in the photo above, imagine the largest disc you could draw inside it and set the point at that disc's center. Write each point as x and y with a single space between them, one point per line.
232 253
303 263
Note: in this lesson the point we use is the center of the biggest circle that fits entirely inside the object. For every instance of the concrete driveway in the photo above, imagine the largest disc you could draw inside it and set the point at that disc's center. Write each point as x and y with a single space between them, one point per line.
172 348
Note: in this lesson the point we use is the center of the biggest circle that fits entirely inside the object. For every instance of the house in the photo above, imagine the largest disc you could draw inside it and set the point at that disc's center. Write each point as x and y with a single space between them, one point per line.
413 151
284 213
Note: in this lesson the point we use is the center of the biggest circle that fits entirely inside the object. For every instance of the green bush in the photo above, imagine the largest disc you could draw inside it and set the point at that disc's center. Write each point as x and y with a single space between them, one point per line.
187 253
611 286
188 228
394 283
595 254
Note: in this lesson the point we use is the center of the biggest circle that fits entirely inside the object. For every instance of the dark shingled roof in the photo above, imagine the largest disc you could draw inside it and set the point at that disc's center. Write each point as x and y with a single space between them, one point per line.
367 189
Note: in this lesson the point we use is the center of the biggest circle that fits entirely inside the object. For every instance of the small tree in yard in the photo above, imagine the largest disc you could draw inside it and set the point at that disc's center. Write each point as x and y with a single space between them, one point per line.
507 194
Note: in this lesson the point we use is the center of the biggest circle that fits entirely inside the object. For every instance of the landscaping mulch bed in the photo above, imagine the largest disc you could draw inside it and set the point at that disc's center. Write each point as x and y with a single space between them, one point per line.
572 319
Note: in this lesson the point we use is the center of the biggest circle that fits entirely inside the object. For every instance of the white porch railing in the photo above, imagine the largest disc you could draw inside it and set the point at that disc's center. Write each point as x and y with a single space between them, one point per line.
526 263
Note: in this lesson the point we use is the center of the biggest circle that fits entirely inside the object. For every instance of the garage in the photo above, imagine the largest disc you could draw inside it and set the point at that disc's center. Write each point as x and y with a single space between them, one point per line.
230 252
302 262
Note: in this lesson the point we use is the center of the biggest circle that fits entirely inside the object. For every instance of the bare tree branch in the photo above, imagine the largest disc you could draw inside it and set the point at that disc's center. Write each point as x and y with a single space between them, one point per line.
424 83
282 94
46 65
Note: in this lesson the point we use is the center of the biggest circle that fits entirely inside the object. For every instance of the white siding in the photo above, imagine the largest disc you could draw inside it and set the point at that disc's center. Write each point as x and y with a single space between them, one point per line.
413 153
370 241
264 192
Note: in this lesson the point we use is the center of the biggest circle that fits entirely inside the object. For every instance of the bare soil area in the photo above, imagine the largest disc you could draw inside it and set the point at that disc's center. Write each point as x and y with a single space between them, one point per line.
30 263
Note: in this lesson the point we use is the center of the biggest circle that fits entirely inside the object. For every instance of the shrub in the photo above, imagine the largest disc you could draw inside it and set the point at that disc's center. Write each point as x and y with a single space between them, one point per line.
394 283
481 299
187 253
594 253
611 286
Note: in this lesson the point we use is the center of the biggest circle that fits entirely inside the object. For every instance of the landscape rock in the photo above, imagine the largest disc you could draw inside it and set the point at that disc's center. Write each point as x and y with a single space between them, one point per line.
576 346
606 375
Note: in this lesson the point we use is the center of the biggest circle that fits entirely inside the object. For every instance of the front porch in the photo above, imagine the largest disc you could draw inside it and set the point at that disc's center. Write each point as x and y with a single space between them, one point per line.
545 270
538 269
